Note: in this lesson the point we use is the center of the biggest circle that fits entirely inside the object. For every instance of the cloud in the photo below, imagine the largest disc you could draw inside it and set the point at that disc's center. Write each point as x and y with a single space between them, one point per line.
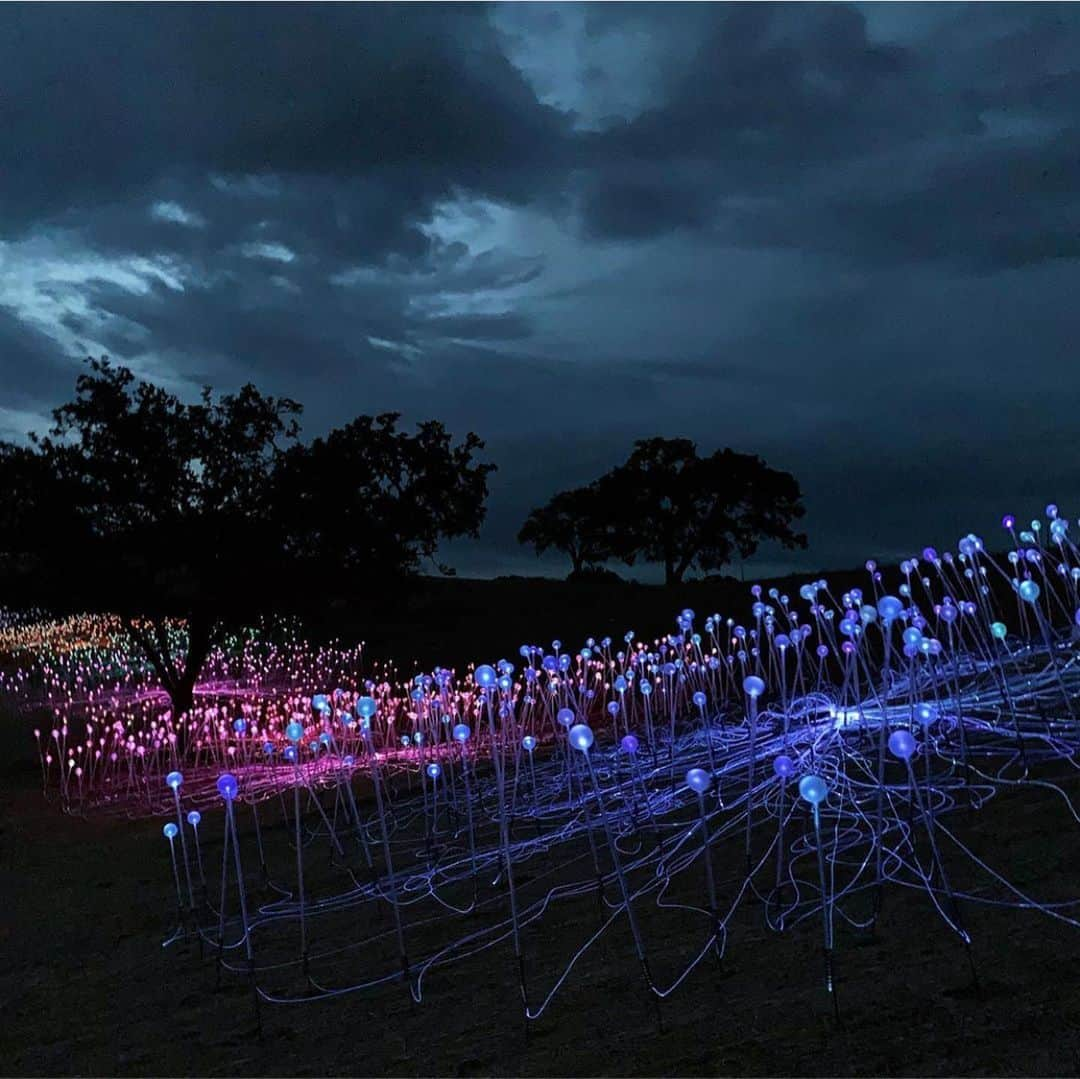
273 252
842 236
175 214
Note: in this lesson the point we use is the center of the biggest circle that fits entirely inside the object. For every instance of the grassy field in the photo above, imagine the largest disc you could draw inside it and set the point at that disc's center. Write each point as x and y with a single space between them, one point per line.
86 987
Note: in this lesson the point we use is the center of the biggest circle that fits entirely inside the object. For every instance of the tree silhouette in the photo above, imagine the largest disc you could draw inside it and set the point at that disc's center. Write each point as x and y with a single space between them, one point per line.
666 504
686 511
369 498
573 522
140 503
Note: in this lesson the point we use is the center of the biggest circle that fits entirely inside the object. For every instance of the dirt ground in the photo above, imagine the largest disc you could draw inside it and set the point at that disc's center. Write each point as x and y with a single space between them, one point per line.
86 987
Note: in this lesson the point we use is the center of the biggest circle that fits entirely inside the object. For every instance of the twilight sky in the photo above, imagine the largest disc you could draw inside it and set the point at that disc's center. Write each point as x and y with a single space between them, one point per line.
844 237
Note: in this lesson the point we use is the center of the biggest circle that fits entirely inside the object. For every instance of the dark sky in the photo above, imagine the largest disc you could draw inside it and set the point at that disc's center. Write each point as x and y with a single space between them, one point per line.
844 237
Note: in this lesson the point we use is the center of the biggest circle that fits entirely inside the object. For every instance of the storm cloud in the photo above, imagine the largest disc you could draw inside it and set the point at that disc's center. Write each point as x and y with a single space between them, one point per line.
844 237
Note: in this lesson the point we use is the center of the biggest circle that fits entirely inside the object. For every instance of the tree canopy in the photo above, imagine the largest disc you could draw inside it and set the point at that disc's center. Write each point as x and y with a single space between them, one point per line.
667 504
572 522
141 503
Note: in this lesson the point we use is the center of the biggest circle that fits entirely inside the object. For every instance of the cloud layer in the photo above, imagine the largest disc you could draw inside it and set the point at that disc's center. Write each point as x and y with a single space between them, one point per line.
845 238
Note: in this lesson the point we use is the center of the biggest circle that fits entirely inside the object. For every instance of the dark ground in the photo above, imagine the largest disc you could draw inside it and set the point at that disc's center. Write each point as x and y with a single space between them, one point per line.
85 987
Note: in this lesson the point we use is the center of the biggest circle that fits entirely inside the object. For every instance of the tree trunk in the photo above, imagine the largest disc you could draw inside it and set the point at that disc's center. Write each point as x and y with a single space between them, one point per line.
178 684
181 696
673 574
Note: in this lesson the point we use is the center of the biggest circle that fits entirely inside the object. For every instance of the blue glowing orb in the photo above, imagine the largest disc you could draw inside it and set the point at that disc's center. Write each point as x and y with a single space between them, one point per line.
901 744
581 736
784 766
813 789
890 608
753 686
697 779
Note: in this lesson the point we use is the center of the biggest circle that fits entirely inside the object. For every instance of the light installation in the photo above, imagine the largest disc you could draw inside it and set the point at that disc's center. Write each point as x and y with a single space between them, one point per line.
376 830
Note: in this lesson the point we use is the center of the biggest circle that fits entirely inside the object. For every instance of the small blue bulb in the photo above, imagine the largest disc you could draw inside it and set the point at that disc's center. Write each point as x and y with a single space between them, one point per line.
581 736
366 707
565 717
528 743
485 676
890 608
629 744
193 818
813 789
227 786
294 731
1029 591
901 744
697 779
434 770
753 686
784 766
173 780
170 830
461 732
